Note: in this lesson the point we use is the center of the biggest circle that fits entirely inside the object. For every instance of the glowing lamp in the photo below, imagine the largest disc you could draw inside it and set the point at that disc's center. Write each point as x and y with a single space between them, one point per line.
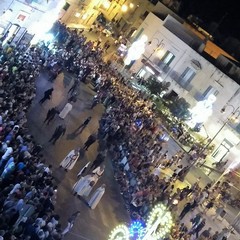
84 17
77 14
160 52
131 5
124 8
106 4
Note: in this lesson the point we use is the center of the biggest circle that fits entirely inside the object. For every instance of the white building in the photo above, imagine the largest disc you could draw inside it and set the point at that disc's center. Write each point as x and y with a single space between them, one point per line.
177 55
18 17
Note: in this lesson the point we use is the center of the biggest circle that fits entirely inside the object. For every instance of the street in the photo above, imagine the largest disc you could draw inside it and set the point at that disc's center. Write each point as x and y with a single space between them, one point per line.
92 224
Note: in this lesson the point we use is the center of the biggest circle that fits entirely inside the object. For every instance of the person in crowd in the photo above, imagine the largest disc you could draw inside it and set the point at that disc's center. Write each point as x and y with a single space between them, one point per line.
91 139
71 221
84 185
50 115
59 131
96 196
70 160
67 108
206 234
97 162
74 86
196 230
187 208
99 170
83 170
47 95
196 220
83 126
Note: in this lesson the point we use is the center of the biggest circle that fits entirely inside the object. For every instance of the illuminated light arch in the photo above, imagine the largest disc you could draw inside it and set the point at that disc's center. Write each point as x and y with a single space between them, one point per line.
120 232
159 222
158 226
137 230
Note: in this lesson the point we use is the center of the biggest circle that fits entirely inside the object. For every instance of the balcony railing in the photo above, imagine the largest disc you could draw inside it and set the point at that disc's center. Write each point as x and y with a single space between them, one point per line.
177 78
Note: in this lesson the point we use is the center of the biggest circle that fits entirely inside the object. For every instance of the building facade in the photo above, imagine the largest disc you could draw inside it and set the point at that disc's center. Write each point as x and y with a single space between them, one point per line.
33 17
125 15
174 54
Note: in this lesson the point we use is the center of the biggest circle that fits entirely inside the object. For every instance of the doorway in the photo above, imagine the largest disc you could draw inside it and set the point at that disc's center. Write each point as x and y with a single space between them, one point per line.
222 150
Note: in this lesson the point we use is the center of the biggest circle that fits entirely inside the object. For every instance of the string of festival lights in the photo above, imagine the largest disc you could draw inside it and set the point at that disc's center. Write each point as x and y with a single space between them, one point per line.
158 226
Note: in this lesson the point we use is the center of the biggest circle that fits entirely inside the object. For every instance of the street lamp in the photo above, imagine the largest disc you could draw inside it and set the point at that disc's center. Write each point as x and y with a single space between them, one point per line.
124 8
160 45
233 116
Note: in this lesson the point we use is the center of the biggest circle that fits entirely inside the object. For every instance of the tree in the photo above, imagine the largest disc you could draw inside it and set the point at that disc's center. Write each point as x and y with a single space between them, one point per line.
155 86
180 108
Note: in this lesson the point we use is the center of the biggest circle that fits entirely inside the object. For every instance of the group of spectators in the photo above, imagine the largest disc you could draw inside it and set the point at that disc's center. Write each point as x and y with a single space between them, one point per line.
28 188
134 135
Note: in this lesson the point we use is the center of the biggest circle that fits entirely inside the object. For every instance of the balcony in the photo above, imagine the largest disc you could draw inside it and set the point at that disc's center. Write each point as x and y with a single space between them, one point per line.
177 78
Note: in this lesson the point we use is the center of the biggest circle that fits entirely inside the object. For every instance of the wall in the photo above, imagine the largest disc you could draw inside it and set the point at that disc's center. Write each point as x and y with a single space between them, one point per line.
207 75
32 16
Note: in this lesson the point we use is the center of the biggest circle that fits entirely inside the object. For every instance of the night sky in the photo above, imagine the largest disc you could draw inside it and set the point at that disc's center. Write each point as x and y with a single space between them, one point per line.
224 11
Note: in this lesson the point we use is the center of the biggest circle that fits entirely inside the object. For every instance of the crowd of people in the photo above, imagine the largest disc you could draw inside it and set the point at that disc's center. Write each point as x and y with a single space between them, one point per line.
129 130
133 135
28 190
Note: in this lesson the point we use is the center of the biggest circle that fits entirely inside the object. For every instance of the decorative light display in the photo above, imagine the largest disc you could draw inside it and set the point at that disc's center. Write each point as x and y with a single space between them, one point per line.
136 50
120 232
202 111
137 230
158 226
159 222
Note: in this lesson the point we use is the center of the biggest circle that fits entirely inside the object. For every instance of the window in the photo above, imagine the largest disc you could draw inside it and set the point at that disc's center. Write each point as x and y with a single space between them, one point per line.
238 128
138 34
209 91
66 6
144 15
187 76
222 150
141 73
154 2
167 58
